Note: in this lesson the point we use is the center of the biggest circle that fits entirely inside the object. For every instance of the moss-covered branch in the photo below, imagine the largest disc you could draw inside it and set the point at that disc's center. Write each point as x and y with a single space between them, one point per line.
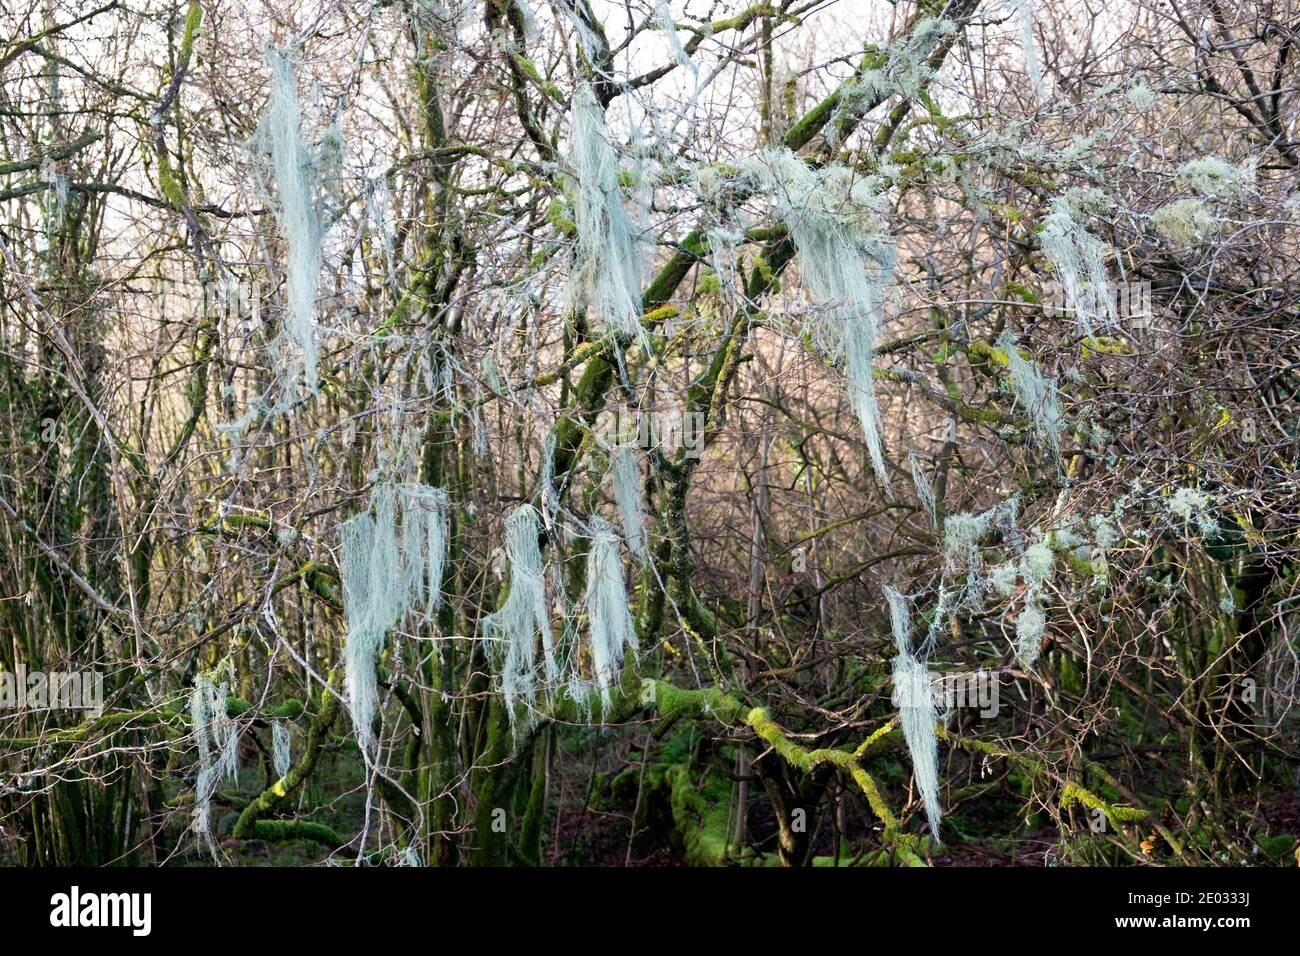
249 826
674 703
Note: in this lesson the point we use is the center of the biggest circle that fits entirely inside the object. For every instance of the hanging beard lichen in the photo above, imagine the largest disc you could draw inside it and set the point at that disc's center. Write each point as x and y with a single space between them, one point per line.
280 748
606 278
1079 259
924 489
900 613
846 262
387 570
610 622
963 532
626 478
425 530
297 173
1033 68
1185 222
370 565
664 19
218 742
914 698
1213 177
1036 569
904 70
512 630
1035 393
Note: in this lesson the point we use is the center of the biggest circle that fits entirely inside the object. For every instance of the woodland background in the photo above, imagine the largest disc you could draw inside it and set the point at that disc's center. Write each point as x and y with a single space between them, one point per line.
174 482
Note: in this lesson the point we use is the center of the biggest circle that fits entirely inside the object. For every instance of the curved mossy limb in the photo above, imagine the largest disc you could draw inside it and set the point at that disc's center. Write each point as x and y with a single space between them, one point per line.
1073 793
280 831
290 709
700 815
247 826
94 729
674 703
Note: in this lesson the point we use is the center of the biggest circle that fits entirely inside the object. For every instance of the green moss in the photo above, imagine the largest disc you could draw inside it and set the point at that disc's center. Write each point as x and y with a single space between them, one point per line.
1024 293
1075 794
193 20
673 703
989 353
560 215
765 276
973 415
170 185
1280 848
278 831
530 70
1104 345
700 815
168 180
249 824
290 709
1084 569
789 751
